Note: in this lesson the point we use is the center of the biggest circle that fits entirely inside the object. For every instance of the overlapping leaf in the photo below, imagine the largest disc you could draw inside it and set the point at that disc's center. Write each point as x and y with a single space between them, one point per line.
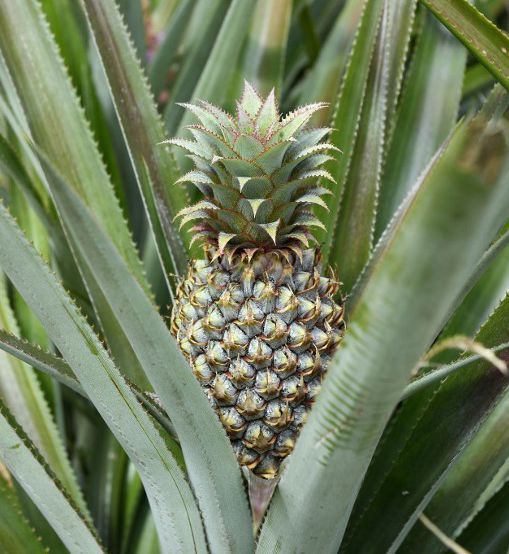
143 132
33 474
425 116
481 36
56 118
173 505
212 467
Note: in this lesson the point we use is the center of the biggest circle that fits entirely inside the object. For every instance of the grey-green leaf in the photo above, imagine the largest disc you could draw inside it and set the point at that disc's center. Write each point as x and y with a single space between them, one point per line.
57 368
481 36
22 394
30 470
143 132
16 535
212 466
172 501
345 120
425 116
56 118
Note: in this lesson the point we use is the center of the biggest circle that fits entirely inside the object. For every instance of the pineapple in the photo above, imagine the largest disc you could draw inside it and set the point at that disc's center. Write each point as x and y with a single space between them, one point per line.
256 318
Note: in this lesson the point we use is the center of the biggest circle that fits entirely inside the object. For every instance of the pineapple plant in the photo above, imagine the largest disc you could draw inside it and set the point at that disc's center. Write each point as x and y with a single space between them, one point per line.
256 318
276 320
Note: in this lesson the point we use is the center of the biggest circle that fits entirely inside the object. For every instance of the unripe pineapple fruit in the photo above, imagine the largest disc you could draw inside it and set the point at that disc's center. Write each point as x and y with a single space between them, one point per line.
256 317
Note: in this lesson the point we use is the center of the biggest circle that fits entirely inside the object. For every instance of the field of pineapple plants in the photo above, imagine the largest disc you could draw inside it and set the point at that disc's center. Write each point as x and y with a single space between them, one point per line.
254 276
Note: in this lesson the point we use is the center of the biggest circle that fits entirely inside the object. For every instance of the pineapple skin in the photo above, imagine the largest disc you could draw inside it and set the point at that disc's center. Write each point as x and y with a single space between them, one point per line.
259 332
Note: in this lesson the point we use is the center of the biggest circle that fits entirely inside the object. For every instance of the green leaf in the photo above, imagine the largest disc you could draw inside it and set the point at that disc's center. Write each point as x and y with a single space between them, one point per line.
16 535
477 78
492 8
425 116
485 291
69 28
57 368
43 361
219 69
301 51
322 82
205 24
38 234
345 121
263 61
22 394
56 117
489 531
147 542
399 438
212 466
482 37
20 164
30 326
143 132
121 349
167 51
402 29
405 292
433 377
11 166
460 428
310 38
133 494
30 470
351 244
136 24
105 488
173 505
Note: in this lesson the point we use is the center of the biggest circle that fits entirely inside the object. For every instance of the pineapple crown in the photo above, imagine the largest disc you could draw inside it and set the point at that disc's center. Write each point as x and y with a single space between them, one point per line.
258 174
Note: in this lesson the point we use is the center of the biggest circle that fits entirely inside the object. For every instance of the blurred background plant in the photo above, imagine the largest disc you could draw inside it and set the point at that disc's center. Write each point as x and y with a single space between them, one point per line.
407 449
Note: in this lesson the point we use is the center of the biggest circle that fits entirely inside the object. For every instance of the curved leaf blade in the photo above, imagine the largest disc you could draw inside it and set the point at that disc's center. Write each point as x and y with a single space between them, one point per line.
30 470
353 235
434 376
211 464
264 59
16 535
482 37
403 509
23 396
56 367
172 501
473 445
484 454
43 361
489 531
56 117
347 114
426 114
143 132
322 82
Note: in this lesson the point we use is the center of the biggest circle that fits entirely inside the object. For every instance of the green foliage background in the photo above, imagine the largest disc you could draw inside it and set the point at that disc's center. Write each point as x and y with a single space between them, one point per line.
407 448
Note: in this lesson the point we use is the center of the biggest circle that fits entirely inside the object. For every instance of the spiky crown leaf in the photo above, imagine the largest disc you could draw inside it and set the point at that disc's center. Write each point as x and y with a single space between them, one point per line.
258 174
